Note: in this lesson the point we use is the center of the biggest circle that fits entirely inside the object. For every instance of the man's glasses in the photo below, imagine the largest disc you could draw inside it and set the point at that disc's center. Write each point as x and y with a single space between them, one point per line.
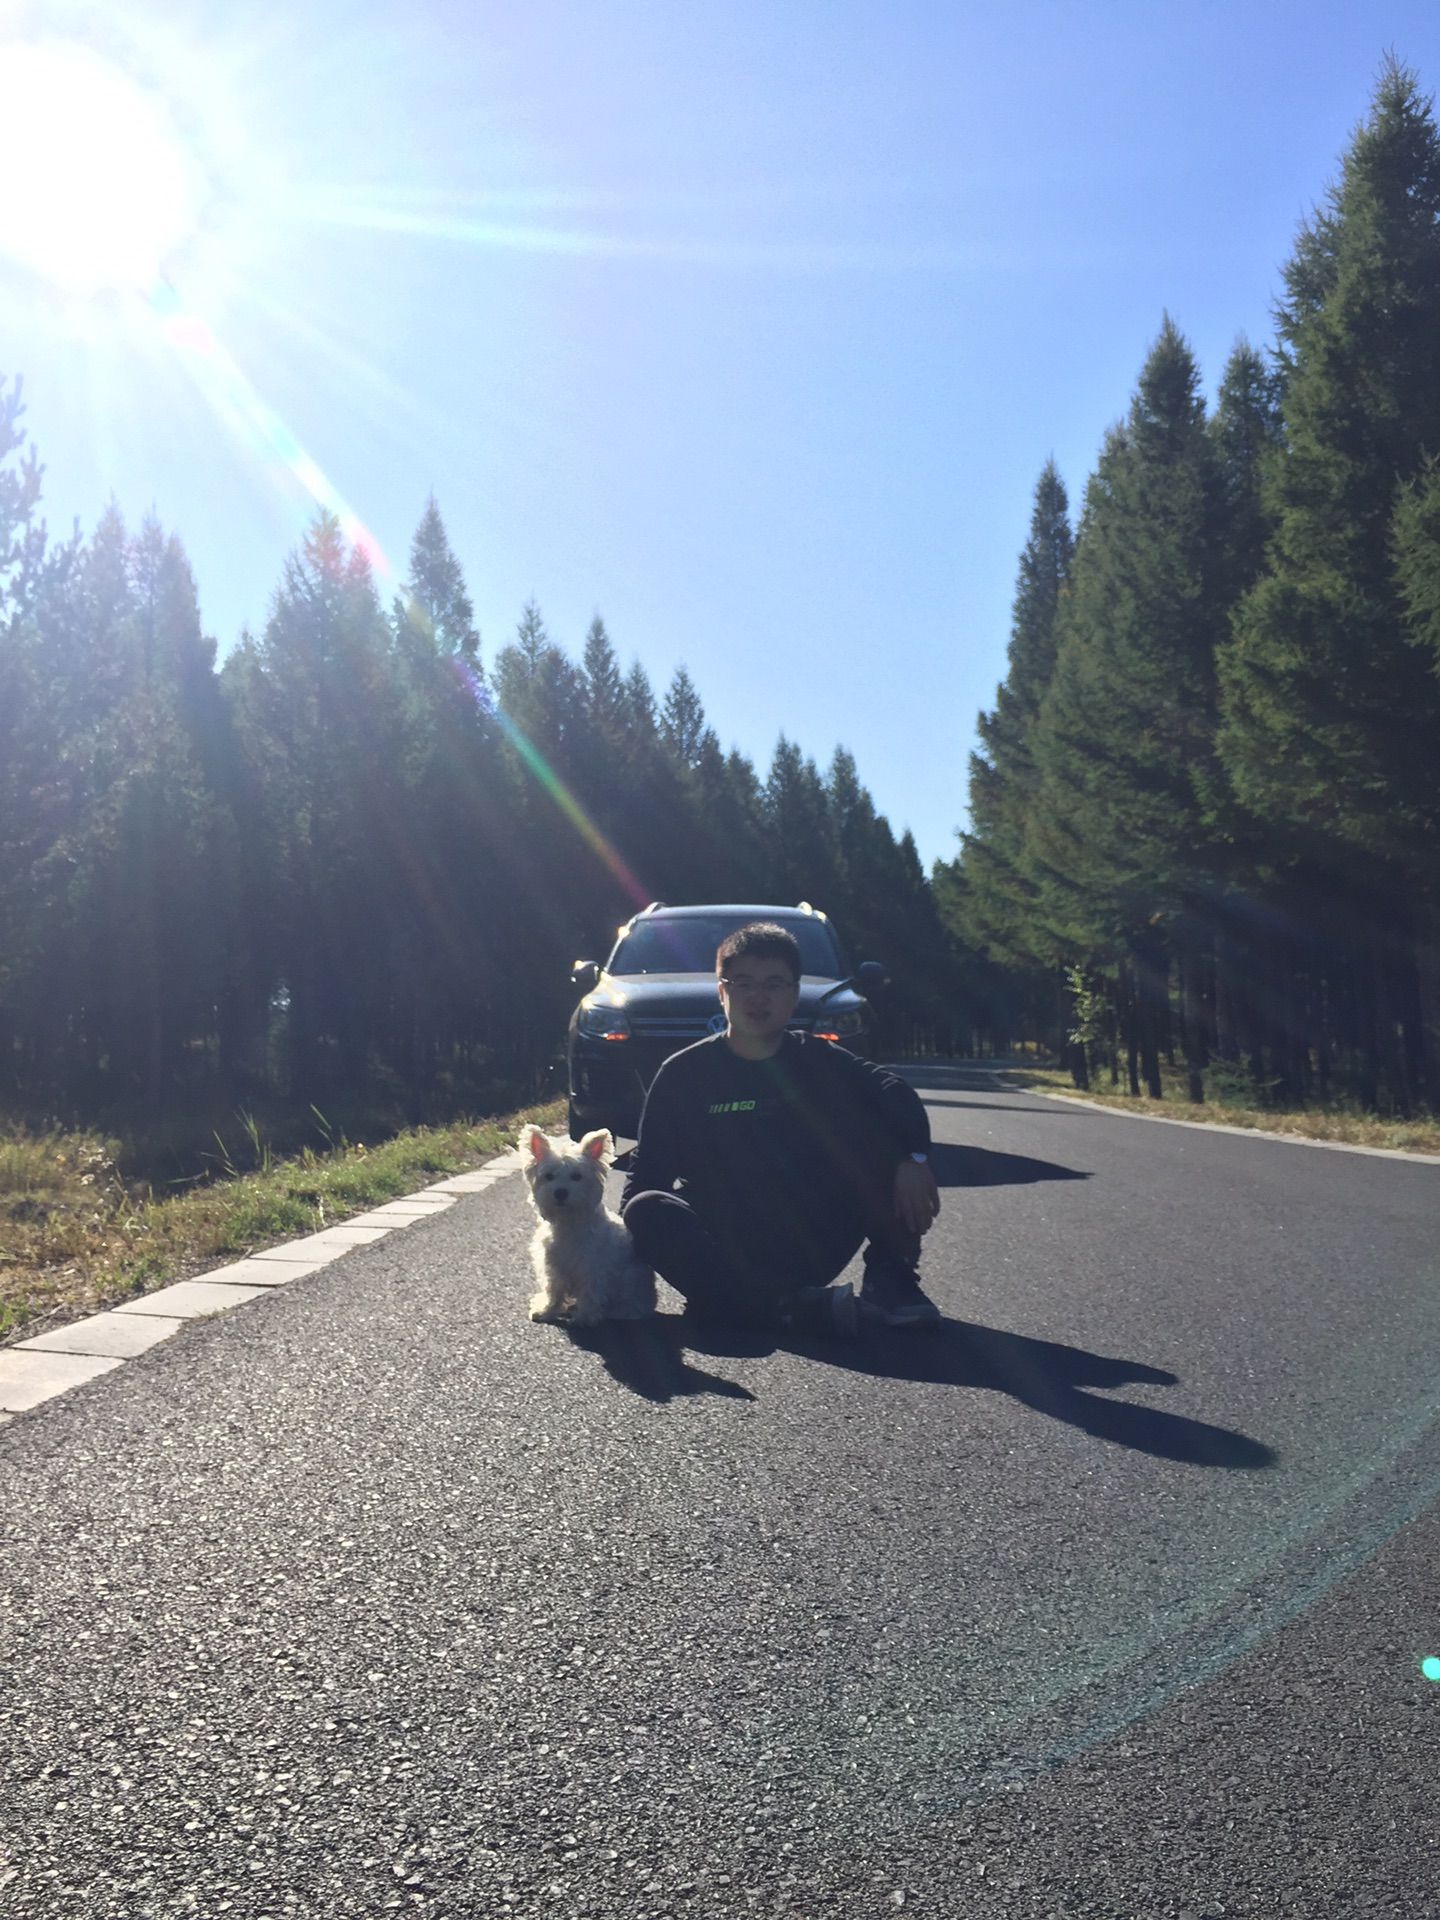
775 983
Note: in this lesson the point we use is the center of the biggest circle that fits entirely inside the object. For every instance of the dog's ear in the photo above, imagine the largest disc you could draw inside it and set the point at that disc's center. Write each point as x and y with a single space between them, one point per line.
598 1146
540 1148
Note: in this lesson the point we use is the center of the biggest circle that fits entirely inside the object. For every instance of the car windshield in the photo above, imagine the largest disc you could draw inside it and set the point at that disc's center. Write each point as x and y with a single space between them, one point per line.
688 945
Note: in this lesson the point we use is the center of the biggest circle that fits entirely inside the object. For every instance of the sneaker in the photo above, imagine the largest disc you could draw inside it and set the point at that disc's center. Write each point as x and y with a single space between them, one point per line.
895 1297
825 1310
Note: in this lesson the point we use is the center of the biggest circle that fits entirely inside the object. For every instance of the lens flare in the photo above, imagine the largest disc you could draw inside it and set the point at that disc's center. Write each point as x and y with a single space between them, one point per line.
550 782
1430 1667
233 396
100 189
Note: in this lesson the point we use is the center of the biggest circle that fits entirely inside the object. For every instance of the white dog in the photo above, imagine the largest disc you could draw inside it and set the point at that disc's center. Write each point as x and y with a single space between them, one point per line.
584 1259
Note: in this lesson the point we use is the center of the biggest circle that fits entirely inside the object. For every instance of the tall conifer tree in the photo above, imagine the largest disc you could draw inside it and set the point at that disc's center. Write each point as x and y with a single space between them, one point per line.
436 607
1331 712
1331 716
999 897
1121 843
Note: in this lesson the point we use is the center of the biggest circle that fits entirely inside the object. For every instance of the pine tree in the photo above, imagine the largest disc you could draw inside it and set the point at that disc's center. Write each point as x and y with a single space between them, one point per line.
726 833
1247 431
22 535
522 664
1121 842
540 692
316 702
447 926
435 609
161 900
1000 899
1416 536
604 687
682 719
30 807
803 854
639 702
1331 711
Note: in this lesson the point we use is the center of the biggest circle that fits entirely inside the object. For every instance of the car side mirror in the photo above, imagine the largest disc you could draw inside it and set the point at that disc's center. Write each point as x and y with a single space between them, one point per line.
867 976
584 974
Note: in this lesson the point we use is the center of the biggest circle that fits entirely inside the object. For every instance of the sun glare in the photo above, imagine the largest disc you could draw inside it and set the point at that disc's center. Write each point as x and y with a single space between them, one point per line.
107 192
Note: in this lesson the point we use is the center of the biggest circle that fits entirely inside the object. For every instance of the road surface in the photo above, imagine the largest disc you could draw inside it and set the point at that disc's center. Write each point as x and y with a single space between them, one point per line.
1108 1599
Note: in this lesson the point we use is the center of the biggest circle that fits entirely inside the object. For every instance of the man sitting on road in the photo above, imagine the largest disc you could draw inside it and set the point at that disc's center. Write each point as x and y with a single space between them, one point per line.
767 1157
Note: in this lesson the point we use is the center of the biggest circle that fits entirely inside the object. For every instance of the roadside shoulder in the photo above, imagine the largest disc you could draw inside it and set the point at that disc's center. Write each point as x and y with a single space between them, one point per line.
1215 1126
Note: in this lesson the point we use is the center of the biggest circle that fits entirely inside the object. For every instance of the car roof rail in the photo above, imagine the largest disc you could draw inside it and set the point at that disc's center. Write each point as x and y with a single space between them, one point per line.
654 906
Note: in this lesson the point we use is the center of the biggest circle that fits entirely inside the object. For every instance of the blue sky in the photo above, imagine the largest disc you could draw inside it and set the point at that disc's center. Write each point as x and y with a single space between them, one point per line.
748 326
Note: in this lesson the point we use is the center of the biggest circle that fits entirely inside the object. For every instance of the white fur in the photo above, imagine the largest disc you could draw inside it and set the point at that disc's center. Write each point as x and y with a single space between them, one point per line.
584 1259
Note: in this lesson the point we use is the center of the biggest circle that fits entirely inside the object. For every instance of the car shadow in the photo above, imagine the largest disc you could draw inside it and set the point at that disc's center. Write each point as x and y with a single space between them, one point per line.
1061 1382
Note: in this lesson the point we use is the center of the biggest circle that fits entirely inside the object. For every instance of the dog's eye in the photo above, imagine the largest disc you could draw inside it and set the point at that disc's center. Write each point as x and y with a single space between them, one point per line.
576 1175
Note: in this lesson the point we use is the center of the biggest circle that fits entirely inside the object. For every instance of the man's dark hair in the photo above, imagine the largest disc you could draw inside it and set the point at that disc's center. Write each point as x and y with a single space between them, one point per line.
763 939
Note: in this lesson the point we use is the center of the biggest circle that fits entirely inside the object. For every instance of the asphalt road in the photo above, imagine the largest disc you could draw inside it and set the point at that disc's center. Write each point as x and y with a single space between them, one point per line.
1108 1599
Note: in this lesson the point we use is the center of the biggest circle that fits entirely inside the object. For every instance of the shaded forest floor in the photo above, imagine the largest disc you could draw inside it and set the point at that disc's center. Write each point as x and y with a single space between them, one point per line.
78 1233
1339 1124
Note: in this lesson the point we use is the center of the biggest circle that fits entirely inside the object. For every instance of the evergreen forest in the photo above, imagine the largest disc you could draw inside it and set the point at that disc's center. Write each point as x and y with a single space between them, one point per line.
1207 798
359 854
355 859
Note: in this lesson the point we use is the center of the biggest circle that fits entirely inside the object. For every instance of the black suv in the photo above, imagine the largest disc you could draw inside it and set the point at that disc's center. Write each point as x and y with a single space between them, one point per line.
656 993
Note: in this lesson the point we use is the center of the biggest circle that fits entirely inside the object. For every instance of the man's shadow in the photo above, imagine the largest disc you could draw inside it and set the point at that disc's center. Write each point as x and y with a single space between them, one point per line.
1062 1382
961 1166
1059 1381
1003 1106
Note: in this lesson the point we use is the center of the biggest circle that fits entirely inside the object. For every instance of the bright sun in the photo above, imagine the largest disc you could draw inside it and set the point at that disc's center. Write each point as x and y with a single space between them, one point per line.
100 190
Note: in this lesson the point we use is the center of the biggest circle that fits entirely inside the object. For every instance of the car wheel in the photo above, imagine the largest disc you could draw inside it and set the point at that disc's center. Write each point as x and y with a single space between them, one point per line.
574 1124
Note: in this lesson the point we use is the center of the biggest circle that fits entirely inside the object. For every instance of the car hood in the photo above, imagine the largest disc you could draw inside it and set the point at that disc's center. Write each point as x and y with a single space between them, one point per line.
683 995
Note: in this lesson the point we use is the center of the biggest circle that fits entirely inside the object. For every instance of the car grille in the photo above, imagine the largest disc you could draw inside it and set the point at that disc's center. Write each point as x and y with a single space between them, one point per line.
657 1040
625 1072
678 1031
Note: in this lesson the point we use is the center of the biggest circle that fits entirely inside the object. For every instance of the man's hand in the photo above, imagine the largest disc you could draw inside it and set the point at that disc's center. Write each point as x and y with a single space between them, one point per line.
917 1198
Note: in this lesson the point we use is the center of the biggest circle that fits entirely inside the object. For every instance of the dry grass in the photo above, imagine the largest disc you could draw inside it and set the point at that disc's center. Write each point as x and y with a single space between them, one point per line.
75 1236
1340 1125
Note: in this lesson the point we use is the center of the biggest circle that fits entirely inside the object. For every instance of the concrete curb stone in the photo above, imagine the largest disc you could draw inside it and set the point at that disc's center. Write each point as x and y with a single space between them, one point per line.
28 1379
190 1299
111 1336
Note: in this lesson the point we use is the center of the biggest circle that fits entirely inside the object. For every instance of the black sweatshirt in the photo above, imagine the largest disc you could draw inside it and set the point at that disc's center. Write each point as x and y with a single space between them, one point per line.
751 1143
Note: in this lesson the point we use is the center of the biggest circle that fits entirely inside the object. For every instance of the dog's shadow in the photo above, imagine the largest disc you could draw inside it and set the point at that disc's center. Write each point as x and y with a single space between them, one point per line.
648 1357
1061 1382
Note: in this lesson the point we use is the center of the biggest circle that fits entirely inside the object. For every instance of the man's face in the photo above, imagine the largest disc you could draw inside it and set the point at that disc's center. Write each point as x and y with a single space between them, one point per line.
759 994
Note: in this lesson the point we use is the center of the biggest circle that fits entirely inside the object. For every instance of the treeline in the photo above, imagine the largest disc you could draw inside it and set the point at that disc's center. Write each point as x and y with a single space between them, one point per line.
354 855
1208 794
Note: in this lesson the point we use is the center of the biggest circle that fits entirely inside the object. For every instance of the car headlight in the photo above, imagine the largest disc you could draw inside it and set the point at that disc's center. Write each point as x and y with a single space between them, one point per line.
599 1022
842 1025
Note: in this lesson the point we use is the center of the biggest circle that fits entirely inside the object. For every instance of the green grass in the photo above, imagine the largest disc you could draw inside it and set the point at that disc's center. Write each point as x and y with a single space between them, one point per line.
77 1235
1338 1123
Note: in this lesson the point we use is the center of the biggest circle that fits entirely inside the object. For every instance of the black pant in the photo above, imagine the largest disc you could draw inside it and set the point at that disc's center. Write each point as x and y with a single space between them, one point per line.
721 1278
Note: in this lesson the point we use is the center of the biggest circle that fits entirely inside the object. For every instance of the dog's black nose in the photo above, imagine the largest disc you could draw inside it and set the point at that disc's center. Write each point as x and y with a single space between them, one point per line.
562 1193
